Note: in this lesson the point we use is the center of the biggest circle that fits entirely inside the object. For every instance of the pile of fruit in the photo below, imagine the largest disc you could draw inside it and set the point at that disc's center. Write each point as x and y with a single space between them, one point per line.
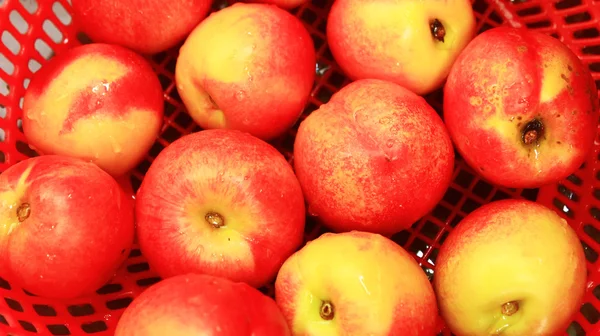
221 212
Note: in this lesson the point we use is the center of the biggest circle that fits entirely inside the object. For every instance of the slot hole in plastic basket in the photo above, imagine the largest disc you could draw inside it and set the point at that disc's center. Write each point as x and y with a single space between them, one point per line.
575 329
110 289
118 304
52 31
61 13
58 329
564 4
43 49
8 67
44 310
10 42
17 20
578 18
586 33
94 327
81 310
590 313
28 326
14 305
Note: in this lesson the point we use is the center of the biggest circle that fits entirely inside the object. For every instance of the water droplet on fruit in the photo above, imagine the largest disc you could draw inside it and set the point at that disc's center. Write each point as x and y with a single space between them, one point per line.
240 95
107 317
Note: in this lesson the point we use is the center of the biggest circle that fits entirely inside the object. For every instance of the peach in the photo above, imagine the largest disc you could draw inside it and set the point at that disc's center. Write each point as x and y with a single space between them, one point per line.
98 102
408 42
194 304
355 283
65 226
248 67
145 26
375 158
521 108
223 203
511 267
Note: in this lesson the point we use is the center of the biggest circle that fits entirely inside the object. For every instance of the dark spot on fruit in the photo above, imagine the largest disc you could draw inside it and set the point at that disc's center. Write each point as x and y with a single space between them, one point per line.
519 118
558 142
228 239
519 124
438 31
532 132
481 168
570 67
122 251
574 112
558 115
546 65
564 77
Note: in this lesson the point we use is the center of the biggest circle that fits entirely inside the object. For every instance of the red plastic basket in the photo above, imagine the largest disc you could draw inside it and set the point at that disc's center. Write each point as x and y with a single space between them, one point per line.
31 31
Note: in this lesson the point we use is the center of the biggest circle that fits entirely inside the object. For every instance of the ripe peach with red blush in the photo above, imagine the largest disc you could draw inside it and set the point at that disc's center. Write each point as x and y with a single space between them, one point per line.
65 226
248 67
521 108
98 102
145 26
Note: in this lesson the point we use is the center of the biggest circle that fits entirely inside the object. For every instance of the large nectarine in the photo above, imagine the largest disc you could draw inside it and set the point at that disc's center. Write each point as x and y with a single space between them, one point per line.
521 108
98 102
248 67
375 158
65 226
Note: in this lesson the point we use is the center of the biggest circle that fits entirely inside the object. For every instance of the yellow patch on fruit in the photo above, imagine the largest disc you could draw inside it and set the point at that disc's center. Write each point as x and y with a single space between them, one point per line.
381 18
556 76
10 200
238 217
514 265
52 107
223 47
161 325
371 285
543 156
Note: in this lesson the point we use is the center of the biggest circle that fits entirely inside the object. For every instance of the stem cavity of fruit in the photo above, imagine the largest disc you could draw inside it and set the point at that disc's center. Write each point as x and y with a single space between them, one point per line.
438 31
510 308
532 131
327 311
215 219
23 212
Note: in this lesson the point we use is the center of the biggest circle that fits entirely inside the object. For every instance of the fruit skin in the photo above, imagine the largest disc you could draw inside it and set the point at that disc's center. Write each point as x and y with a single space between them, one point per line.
194 304
97 102
247 181
375 286
145 26
505 78
255 77
510 250
369 39
80 222
375 158
285 4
